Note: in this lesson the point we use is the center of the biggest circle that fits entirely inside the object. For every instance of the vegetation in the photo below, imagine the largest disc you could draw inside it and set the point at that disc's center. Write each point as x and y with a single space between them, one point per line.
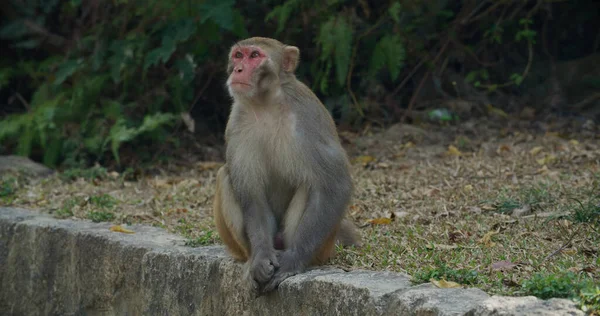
83 83
496 185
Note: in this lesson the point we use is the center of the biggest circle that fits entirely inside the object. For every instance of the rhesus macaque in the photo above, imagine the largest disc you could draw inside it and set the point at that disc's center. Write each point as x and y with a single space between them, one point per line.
282 195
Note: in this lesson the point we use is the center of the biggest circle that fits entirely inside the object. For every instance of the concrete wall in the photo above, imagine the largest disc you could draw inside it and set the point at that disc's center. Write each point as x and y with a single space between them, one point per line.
64 267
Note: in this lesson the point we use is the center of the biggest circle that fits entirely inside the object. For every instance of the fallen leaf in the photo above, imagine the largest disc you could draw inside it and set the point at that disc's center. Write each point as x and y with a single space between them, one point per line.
408 145
548 159
569 251
503 148
445 247
160 183
120 229
208 165
468 188
522 211
443 284
487 207
536 150
380 221
453 151
188 121
364 159
487 239
496 111
399 214
503 265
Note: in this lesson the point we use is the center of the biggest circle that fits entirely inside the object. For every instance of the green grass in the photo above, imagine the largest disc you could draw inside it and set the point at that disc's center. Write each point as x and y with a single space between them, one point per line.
87 174
103 200
100 216
549 285
586 211
589 299
442 271
8 187
208 238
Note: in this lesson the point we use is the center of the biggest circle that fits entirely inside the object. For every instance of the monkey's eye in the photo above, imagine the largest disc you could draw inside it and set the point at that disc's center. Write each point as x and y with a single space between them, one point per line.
254 54
238 55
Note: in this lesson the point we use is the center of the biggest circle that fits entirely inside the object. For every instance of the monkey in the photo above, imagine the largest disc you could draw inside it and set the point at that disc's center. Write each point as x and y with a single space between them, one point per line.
282 195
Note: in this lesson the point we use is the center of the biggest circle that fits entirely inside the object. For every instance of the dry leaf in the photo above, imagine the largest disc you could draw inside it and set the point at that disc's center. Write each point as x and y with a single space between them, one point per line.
208 165
468 188
536 150
120 229
188 121
443 284
569 251
160 183
496 111
487 207
522 211
364 159
503 265
380 221
445 247
487 239
548 159
453 151
503 148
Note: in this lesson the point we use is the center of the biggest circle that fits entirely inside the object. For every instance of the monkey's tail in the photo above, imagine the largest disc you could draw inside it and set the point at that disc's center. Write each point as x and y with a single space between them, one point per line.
348 234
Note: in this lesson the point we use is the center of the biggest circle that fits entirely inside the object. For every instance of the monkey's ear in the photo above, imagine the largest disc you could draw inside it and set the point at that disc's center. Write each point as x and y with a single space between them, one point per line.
291 54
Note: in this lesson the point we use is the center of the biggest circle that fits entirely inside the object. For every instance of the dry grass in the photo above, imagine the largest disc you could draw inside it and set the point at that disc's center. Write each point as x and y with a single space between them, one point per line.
424 209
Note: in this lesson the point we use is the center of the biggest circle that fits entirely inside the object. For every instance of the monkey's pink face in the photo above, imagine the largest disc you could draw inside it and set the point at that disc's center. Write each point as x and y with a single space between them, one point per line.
245 60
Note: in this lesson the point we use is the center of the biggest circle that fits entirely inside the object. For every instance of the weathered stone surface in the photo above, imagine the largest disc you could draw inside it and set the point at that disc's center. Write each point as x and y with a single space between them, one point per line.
64 267
529 305
25 165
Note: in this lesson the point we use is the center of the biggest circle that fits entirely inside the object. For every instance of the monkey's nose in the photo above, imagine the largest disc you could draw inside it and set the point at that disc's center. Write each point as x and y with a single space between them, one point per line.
239 69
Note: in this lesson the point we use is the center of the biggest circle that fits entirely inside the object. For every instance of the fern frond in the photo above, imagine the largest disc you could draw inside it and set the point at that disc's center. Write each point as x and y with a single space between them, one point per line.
389 52
282 13
335 42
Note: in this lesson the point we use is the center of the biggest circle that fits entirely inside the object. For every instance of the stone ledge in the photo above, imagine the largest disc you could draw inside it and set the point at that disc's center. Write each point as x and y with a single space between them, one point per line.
66 267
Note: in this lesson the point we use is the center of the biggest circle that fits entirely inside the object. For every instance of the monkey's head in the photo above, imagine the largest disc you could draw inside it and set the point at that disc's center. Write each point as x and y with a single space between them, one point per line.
257 65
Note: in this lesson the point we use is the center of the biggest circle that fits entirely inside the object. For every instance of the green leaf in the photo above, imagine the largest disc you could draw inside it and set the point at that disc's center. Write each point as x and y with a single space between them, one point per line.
282 13
118 134
66 70
394 11
335 42
27 44
160 54
187 68
219 11
390 52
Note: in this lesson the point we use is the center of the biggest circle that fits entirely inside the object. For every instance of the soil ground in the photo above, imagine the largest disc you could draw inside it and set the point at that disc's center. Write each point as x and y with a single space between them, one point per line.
488 203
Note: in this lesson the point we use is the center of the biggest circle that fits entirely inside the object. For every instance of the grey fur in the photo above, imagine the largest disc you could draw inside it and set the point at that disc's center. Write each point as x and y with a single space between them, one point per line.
281 140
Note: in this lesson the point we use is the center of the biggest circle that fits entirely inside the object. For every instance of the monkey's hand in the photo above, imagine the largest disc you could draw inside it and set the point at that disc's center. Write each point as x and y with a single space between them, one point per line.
289 265
262 267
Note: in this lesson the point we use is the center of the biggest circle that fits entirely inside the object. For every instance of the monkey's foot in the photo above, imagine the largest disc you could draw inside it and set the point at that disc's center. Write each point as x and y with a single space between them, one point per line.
277 279
262 267
289 265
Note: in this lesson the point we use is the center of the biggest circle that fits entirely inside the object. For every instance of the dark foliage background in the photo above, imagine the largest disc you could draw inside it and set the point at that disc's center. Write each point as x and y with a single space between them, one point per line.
116 82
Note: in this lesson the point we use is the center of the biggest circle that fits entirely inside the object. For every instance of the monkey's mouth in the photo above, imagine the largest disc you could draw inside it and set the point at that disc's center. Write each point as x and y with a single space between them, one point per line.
241 83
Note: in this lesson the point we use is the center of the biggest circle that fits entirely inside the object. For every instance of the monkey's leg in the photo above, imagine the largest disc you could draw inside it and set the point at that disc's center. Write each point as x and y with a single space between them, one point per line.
229 218
293 217
315 225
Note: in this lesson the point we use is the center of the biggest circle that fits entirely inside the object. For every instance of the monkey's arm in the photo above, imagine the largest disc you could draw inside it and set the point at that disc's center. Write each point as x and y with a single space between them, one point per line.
259 227
327 200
